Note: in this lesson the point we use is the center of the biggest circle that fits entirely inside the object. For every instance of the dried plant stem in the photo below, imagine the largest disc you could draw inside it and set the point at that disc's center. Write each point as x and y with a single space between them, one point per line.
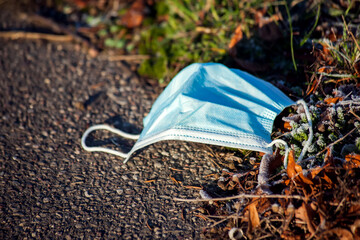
351 34
352 112
132 58
241 196
31 35
337 141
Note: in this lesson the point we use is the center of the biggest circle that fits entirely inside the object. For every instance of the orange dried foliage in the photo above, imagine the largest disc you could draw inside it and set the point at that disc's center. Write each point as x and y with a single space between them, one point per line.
352 161
325 69
306 214
254 220
325 55
354 210
238 35
294 171
287 126
333 100
81 3
135 15
313 87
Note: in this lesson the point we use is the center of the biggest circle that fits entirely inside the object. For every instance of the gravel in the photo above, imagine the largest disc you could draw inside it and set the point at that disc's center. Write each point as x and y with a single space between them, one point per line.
49 186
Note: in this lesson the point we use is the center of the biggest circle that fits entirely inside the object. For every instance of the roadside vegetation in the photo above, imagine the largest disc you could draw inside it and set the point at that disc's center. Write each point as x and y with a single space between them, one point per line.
308 49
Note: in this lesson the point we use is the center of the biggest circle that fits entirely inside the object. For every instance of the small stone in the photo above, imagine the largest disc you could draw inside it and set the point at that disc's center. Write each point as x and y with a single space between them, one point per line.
44 133
46 200
166 154
78 225
157 164
135 177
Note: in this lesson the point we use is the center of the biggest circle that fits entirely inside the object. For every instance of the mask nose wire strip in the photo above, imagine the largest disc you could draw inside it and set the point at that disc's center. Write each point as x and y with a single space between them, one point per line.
311 133
102 149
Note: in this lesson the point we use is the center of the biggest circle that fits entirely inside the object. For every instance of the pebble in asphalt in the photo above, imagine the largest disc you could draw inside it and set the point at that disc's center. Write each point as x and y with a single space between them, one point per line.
50 187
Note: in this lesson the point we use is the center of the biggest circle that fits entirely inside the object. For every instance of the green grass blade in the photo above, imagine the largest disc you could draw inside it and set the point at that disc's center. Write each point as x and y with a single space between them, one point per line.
291 36
307 36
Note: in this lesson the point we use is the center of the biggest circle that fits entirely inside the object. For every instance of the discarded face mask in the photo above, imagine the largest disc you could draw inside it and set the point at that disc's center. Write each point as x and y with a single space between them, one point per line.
209 103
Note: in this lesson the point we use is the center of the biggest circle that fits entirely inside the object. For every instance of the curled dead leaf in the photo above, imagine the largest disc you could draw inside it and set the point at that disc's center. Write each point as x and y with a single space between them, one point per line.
355 229
306 214
254 220
337 233
295 171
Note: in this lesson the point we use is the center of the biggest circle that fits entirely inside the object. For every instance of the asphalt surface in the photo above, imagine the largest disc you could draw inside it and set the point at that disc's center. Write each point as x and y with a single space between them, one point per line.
50 188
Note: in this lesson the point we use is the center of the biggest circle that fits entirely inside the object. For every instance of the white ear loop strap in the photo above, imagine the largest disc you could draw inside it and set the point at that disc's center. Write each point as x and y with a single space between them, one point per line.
102 149
308 142
276 141
311 132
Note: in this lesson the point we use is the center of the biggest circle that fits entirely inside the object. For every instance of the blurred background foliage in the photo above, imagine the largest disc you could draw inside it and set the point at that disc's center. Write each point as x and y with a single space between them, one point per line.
262 37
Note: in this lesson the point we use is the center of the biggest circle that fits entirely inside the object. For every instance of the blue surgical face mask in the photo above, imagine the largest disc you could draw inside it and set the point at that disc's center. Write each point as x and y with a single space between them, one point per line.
209 103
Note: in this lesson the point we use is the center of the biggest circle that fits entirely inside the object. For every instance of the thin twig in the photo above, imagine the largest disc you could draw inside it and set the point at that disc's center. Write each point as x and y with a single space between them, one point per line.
352 35
132 58
352 112
218 222
212 160
59 28
32 35
337 141
240 196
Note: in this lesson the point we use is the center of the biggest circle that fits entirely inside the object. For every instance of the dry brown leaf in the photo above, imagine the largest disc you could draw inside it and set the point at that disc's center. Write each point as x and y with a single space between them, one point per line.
333 100
316 171
352 161
238 35
287 126
291 172
294 171
254 220
134 15
340 233
306 214
355 210
355 229
325 69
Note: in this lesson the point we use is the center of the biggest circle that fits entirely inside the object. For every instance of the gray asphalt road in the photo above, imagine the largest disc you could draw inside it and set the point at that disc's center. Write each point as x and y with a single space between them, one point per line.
50 187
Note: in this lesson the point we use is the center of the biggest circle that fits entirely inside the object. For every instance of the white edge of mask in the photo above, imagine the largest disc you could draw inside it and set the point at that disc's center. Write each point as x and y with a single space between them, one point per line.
207 138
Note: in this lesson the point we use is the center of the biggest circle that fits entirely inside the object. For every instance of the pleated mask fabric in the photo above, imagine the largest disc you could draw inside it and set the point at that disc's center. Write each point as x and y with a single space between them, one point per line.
212 104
